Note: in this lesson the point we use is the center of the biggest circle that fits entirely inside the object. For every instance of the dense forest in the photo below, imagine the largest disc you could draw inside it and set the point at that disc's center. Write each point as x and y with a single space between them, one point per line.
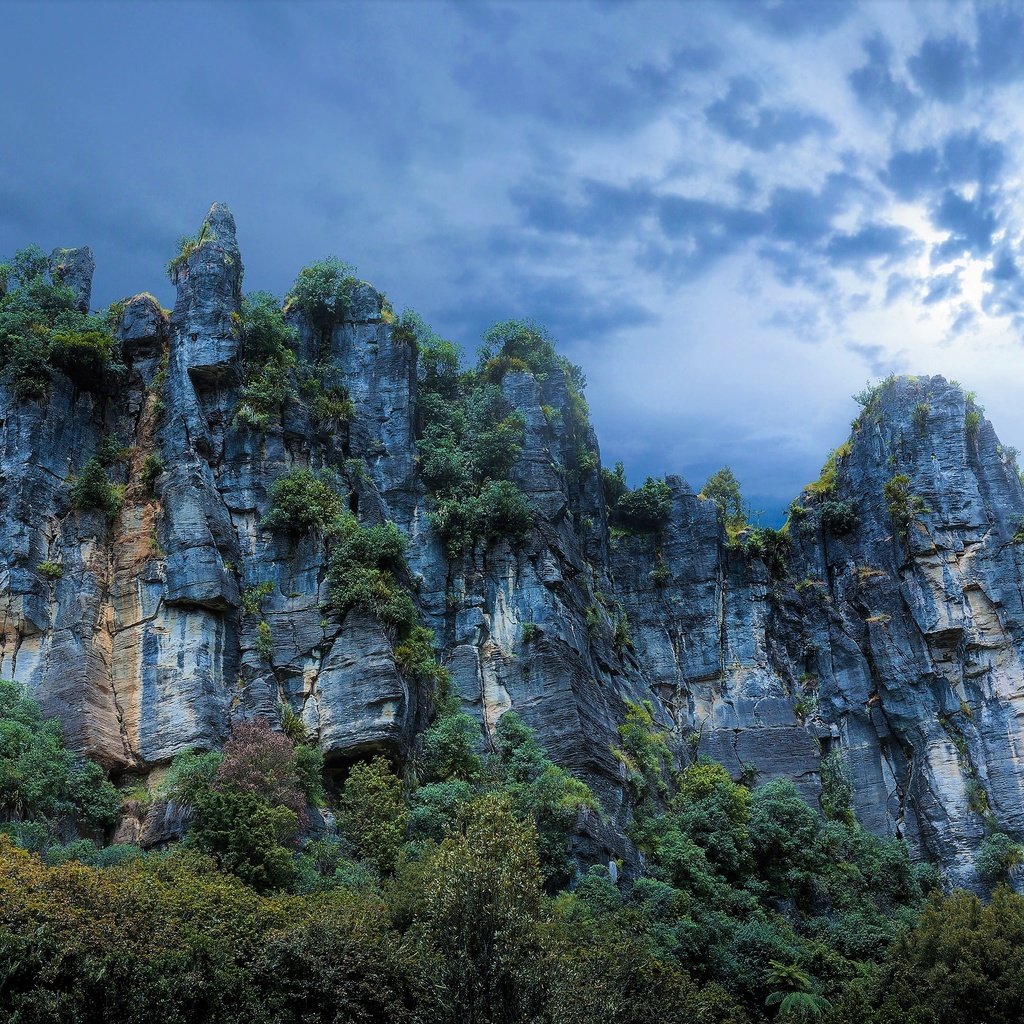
449 894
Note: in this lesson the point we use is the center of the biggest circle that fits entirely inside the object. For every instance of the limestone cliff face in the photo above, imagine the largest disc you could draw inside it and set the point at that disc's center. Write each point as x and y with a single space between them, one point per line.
898 643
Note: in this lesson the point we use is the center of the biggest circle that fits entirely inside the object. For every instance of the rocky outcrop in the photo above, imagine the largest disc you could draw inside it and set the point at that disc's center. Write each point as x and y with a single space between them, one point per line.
891 636
74 268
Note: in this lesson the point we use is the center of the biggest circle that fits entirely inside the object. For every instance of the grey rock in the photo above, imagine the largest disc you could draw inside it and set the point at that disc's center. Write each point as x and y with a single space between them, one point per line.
901 655
74 268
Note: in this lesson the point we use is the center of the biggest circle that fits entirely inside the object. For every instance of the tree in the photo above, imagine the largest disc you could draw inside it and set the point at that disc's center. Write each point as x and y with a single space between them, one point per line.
723 489
373 813
476 900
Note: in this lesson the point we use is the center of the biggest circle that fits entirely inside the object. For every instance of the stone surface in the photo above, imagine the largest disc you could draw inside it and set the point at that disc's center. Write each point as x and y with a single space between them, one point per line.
74 268
903 654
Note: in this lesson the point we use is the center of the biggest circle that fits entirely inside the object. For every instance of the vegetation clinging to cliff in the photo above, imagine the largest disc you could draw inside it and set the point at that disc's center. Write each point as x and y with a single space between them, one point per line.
43 331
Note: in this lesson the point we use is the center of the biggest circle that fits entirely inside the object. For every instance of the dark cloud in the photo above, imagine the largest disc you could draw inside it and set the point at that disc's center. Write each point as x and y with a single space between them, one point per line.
897 286
787 18
946 67
872 241
602 210
880 361
999 53
942 68
660 81
945 286
805 216
1005 296
875 84
971 222
739 115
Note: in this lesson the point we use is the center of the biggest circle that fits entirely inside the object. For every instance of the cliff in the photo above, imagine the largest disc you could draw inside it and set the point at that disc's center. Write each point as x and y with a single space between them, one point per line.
883 631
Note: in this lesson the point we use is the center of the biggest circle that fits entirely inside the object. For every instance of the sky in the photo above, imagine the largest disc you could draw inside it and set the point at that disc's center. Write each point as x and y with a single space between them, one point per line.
731 214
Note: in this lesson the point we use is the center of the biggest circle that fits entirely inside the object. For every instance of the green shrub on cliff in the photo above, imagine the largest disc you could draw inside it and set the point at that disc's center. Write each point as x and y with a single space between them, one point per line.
302 501
92 491
42 331
322 291
645 509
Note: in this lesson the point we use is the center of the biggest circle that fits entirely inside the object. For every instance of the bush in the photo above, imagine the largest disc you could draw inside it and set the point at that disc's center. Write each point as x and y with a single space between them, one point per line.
51 570
646 509
904 507
41 329
264 333
372 813
245 836
92 490
41 780
190 773
996 856
613 484
325 394
87 357
838 517
517 345
152 468
451 746
724 490
363 566
322 292
302 501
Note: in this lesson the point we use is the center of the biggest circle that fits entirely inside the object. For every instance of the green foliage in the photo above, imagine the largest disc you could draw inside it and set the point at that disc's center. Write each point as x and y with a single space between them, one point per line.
451 746
252 598
825 486
904 507
613 483
266 389
87 357
470 437
921 411
264 333
322 292
644 751
191 773
187 246
302 501
973 415
91 490
42 781
372 813
42 331
264 643
645 509
521 346
414 657
245 836
326 397
498 510
960 963
838 517
836 789
771 546
50 570
997 855
364 564
152 467
292 725
169 937
724 490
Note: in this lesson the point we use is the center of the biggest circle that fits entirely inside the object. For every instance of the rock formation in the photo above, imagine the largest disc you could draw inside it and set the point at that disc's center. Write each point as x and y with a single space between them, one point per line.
891 634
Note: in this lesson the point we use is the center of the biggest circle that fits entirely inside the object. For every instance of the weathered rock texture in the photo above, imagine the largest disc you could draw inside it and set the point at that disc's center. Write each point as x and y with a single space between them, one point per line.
901 650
